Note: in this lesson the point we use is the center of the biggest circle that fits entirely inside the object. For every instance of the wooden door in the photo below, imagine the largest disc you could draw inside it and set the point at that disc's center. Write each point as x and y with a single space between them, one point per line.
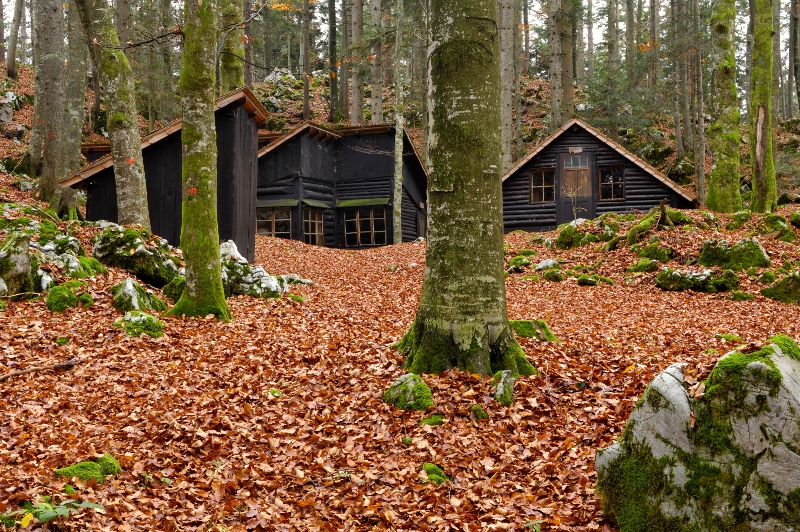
574 188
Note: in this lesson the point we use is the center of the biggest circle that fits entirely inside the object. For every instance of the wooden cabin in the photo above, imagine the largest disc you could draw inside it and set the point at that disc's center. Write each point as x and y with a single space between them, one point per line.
334 187
237 117
578 172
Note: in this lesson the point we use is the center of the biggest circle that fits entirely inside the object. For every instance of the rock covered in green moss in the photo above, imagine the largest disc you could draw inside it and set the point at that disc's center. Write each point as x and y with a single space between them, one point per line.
518 263
98 469
478 412
129 295
15 263
746 253
738 219
726 460
705 281
409 392
644 265
736 295
794 219
240 278
593 280
61 298
609 226
150 258
657 252
777 227
768 277
174 288
504 387
433 420
553 275
638 231
787 290
137 323
575 234
533 329
435 473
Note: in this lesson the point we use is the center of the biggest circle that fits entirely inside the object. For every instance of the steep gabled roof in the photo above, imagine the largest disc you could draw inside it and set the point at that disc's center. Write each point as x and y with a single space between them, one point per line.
251 104
611 144
322 132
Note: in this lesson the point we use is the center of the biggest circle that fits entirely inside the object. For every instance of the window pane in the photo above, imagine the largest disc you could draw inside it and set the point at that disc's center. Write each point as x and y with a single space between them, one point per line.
538 195
365 225
350 226
536 178
618 190
549 177
550 194
380 238
379 224
606 191
351 239
283 226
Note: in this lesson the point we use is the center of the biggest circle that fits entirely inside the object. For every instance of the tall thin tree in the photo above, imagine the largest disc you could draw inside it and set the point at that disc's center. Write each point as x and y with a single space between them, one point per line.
507 62
305 70
761 132
554 14
357 91
399 125
376 99
11 56
332 60
232 51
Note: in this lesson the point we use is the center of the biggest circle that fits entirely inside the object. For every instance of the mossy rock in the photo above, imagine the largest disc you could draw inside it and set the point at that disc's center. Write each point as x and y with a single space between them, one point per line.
768 277
409 392
730 337
794 219
504 387
61 298
478 413
129 295
615 243
526 253
91 266
137 323
593 280
569 237
656 252
519 261
787 290
150 258
610 227
240 278
736 295
644 265
777 227
85 299
435 473
15 264
553 275
676 281
746 253
785 199
533 329
738 219
97 470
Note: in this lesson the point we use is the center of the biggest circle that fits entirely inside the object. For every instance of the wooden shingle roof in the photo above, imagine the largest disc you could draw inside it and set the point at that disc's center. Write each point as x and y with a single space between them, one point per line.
641 163
251 104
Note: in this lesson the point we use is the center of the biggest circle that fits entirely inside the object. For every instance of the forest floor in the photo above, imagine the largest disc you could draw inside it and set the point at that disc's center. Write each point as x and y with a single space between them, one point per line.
275 420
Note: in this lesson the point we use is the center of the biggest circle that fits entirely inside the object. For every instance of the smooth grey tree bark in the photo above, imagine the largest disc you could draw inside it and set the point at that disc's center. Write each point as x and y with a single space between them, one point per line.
376 98
11 56
357 30
399 125
554 14
507 59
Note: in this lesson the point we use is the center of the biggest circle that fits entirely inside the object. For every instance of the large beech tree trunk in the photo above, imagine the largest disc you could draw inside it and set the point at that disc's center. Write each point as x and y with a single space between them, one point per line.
462 320
120 99
203 293
231 64
761 133
723 131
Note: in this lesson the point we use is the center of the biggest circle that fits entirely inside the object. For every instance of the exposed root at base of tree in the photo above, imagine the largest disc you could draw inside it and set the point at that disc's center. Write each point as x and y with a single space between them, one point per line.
434 346
58 366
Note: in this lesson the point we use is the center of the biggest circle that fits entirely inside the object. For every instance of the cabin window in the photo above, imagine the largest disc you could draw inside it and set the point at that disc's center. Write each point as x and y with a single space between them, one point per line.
312 227
612 182
274 221
543 185
365 226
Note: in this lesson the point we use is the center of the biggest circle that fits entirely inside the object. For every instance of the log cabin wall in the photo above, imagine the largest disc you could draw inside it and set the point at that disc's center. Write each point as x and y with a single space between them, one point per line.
642 190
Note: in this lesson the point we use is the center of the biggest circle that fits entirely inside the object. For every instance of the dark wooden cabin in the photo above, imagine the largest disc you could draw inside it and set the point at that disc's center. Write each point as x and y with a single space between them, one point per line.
237 116
335 187
578 172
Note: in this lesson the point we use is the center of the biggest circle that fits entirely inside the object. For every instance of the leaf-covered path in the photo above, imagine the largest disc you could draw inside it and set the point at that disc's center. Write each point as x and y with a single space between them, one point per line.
276 421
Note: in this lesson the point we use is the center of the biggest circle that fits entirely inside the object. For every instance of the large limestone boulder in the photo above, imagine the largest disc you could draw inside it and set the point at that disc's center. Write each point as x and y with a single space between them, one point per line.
15 263
129 295
727 458
240 278
147 256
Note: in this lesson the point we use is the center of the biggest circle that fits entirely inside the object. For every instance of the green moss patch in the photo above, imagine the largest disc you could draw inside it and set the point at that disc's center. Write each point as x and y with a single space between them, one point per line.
787 345
744 254
97 470
730 337
736 295
129 295
641 229
62 340
593 280
407 440
675 281
533 329
787 290
435 473
91 266
656 252
174 288
738 219
794 219
409 392
61 298
478 412
553 275
777 227
137 323
767 277
150 258
644 265
433 419
518 262
526 253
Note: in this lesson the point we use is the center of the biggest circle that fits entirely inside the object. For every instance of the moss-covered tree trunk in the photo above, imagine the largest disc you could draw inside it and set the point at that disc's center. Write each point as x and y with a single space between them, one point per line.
231 64
761 133
723 132
462 321
203 293
50 74
122 123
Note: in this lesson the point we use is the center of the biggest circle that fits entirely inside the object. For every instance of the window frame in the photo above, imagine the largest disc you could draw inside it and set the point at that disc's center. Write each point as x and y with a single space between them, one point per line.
600 168
356 212
271 222
541 187
313 227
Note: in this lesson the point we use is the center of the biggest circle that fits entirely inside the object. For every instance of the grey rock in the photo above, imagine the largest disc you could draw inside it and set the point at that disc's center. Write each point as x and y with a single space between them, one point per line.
17 270
546 265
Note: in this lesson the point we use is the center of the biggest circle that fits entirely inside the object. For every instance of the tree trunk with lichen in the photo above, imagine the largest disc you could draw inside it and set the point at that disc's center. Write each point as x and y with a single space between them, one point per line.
399 124
50 15
376 98
761 133
462 320
231 64
357 92
723 131
122 122
203 293
35 138
11 52
507 30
